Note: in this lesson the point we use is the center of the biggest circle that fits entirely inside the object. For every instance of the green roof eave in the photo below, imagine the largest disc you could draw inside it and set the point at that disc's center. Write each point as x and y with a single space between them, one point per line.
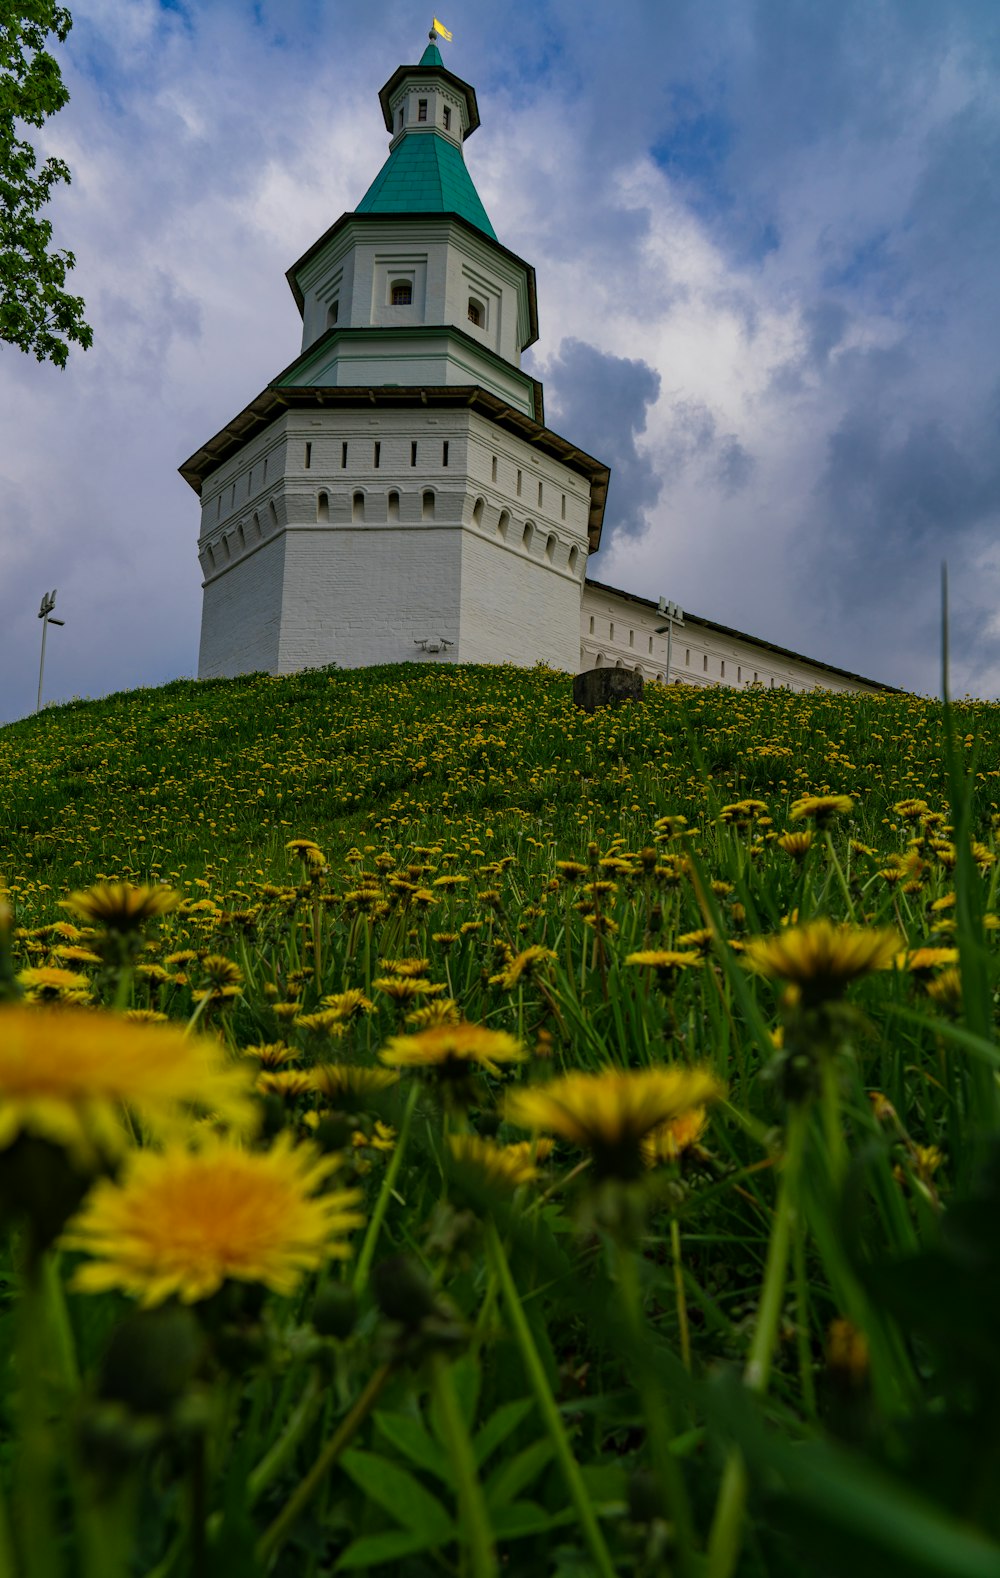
424 174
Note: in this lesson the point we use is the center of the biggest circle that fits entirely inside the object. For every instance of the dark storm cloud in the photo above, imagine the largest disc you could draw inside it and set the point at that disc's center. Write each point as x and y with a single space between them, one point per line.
693 438
601 401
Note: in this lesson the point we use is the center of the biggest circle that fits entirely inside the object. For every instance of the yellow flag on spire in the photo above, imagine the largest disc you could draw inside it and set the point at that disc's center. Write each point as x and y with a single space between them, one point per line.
442 32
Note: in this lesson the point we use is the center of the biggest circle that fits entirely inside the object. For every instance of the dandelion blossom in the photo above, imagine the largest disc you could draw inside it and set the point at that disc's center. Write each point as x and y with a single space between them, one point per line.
611 1112
821 958
453 1049
182 1222
118 906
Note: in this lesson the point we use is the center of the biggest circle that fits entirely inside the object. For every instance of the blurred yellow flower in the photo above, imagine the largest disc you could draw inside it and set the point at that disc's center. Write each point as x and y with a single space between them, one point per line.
452 1049
118 906
66 1073
821 959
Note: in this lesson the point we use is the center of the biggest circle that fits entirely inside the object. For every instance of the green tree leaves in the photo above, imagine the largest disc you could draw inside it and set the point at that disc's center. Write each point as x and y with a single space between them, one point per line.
36 313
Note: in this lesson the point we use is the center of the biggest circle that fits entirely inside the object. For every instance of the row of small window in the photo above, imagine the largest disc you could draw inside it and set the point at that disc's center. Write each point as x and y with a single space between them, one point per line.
401 295
391 506
221 552
422 115
687 658
376 454
519 488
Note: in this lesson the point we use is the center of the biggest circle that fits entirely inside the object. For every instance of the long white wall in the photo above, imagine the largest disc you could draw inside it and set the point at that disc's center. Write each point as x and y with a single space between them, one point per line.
619 631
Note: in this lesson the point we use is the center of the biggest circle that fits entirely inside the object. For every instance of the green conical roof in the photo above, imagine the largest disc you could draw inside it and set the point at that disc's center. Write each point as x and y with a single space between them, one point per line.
426 174
431 56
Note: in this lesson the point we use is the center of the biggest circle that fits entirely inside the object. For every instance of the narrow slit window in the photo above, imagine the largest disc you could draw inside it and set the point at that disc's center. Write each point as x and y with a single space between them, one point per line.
739 676
358 507
477 511
550 547
444 453
413 453
704 664
722 668
574 558
539 495
332 314
562 507
393 506
322 506
519 484
378 455
343 456
494 470
399 122
421 109
264 476
687 657
592 624
309 458
611 632
650 643
447 118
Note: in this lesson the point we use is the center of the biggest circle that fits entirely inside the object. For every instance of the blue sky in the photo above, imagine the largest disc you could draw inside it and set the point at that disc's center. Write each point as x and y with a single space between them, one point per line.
766 236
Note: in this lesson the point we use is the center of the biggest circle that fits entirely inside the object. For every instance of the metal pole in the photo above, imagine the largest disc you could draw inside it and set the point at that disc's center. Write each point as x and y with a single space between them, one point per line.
670 643
41 666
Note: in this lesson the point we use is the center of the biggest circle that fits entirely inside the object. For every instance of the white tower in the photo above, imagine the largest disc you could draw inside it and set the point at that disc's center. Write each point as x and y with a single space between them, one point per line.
395 494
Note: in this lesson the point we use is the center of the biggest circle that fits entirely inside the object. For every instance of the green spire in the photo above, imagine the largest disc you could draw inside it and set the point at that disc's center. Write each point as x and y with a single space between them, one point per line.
426 174
431 56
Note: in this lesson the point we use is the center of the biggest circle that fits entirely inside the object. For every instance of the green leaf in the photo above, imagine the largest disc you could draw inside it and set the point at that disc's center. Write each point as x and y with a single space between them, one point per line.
499 1426
516 1474
522 1518
408 1436
398 1493
374 1549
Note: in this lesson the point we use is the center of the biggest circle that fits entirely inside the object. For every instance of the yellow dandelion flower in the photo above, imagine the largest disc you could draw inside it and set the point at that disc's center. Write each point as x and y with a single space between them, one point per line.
47 983
443 1011
327 1022
303 847
76 955
405 967
451 1050
66 1074
118 906
821 808
288 1083
403 988
668 1141
611 1112
667 962
946 988
352 1087
921 961
501 1166
182 1222
797 845
349 1004
270 1054
524 965
821 959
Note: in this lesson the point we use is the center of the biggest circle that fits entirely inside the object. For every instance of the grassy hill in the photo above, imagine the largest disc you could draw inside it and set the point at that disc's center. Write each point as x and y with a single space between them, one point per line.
734 953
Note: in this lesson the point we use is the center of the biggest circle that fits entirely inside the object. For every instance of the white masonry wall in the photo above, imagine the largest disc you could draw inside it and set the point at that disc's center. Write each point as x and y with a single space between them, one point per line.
484 550
620 632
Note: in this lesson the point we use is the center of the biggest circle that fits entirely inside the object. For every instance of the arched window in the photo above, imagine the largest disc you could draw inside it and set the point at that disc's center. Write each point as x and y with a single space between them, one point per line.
526 536
241 537
272 512
427 506
358 507
224 545
475 313
401 293
660 678
322 506
392 506
620 663
574 560
550 547
503 524
477 511
210 556
256 526
599 660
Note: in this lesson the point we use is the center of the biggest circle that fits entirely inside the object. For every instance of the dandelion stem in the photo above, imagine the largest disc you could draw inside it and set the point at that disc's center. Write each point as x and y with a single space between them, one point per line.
303 1493
547 1406
838 868
388 1184
658 1419
681 1296
472 1506
726 1534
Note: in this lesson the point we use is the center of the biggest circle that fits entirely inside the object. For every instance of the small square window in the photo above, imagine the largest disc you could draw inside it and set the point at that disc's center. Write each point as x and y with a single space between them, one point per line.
421 109
402 294
447 118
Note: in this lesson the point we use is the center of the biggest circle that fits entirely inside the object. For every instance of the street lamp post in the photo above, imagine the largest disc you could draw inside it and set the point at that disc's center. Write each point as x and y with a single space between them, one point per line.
45 615
675 616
